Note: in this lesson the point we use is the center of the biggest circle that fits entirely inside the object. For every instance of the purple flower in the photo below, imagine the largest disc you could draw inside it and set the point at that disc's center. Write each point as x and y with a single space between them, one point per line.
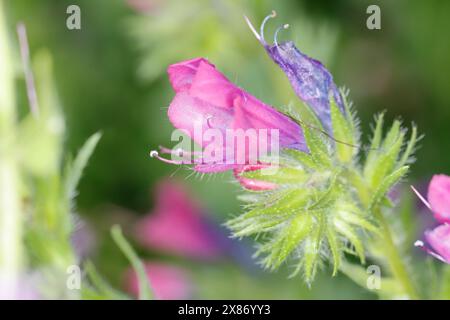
439 203
311 81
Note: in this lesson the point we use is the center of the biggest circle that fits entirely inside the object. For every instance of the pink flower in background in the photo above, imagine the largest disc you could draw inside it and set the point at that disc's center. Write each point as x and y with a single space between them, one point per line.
176 225
168 282
144 6
439 203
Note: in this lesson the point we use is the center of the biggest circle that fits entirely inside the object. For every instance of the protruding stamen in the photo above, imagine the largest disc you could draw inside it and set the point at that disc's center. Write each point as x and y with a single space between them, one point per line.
272 15
163 149
422 246
275 38
155 154
257 35
425 202
419 244
179 152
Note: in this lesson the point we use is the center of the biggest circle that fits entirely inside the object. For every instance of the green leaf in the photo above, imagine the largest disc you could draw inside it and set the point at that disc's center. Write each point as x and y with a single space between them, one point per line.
288 239
145 292
313 132
75 169
316 145
343 134
242 226
287 201
387 157
311 248
358 221
392 135
348 232
409 148
280 175
302 157
326 199
386 185
358 183
335 247
375 144
351 117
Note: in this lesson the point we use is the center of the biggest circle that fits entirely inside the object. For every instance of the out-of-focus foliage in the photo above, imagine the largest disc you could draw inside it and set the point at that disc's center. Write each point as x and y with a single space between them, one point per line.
37 184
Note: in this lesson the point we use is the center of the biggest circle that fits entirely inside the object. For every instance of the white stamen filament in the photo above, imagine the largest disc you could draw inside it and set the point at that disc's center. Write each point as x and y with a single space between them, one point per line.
421 245
257 35
425 202
155 154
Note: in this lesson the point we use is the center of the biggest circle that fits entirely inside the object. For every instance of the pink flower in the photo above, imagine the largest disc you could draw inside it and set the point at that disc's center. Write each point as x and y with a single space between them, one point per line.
252 184
439 197
167 282
176 225
439 203
205 99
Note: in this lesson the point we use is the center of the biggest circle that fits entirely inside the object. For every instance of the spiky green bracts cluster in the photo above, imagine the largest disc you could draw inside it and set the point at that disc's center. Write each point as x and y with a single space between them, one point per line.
323 206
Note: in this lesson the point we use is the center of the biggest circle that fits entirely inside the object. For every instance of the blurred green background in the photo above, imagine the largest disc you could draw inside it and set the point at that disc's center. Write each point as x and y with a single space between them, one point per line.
111 77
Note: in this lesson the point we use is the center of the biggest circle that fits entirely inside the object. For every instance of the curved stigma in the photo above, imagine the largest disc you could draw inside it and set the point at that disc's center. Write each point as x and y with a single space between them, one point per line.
275 38
261 30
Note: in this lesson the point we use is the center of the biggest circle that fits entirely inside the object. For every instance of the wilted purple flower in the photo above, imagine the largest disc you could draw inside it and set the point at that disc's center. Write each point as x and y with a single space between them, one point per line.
311 81
439 203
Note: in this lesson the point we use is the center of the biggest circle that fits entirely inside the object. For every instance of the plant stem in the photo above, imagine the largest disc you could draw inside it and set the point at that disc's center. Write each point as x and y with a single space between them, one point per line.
10 214
395 261
145 292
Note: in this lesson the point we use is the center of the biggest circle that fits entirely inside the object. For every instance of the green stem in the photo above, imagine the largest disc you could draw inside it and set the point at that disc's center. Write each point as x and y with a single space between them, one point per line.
395 261
145 292
10 205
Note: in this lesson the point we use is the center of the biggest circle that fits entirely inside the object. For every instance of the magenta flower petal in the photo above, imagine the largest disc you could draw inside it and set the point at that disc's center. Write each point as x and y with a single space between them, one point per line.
439 197
187 113
439 240
182 74
168 282
438 202
176 225
206 99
